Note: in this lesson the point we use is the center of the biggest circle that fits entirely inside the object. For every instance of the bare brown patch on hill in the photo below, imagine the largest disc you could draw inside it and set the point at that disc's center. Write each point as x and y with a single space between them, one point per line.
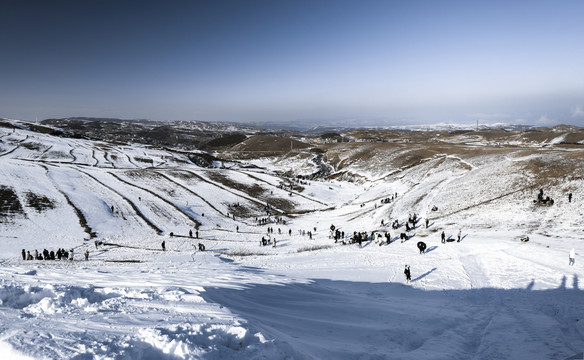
539 136
265 146
375 135
413 157
574 138
266 143
555 169
253 190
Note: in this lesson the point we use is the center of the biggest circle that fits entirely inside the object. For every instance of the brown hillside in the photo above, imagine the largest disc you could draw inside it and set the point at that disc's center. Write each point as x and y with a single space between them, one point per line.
265 143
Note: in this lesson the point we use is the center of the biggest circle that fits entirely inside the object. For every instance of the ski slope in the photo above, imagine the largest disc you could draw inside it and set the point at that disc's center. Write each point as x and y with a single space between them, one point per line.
489 296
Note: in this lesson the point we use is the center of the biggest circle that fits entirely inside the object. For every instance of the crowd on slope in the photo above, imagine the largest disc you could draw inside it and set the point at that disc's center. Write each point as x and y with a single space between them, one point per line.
60 254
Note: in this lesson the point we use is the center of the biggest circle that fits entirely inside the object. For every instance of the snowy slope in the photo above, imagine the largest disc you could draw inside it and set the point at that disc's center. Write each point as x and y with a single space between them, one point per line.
489 296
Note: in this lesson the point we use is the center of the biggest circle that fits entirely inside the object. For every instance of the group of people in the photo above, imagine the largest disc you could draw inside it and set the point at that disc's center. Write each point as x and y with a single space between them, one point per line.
268 220
266 241
388 200
443 238
304 233
547 200
60 254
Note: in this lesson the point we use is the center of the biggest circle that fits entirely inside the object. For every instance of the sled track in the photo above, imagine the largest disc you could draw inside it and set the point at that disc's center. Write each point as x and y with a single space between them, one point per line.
16 147
136 209
131 161
484 202
230 191
10 151
74 161
94 158
42 154
189 191
157 196
80 216
296 193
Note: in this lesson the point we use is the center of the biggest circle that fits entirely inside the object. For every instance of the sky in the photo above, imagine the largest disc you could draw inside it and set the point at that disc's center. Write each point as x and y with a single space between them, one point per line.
369 62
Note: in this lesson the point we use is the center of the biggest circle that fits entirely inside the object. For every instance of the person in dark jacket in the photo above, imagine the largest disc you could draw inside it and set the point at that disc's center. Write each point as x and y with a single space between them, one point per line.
422 247
408 274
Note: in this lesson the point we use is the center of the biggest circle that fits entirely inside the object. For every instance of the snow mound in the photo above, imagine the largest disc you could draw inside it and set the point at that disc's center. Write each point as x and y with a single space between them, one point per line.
51 299
191 341
20 297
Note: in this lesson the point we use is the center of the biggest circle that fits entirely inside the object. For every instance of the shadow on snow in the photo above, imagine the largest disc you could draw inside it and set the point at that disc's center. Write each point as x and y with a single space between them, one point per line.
327 319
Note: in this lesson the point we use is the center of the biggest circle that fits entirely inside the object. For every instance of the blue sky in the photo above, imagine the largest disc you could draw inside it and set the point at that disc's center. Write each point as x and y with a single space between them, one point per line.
386 62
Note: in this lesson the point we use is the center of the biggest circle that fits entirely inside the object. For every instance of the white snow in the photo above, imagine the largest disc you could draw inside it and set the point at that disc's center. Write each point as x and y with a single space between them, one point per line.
489 296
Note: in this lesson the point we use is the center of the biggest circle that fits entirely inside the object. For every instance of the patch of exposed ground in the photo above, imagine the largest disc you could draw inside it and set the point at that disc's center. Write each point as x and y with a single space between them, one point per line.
254 190
10 205
39 202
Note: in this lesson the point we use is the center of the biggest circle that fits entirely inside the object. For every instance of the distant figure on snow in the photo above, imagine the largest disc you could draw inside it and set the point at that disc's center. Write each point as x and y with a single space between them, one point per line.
163 245
427 222
459 235
570 197
71 254
572 256
190 233
23 254
408 274
86 253
443 237
422 247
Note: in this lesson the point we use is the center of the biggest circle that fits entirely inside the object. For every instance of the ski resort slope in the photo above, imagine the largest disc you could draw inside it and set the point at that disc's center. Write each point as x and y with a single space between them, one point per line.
489 296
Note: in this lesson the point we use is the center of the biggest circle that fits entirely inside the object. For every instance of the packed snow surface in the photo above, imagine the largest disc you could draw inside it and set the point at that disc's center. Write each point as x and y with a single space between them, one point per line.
489 296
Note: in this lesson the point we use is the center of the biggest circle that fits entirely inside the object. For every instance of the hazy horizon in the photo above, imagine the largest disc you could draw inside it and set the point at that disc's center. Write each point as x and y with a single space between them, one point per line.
371 62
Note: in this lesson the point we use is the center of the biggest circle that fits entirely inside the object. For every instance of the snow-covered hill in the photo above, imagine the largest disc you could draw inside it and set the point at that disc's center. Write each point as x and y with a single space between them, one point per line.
489 296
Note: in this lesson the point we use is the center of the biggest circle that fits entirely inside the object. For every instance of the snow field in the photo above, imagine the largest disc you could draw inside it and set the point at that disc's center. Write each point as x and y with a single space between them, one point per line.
488 297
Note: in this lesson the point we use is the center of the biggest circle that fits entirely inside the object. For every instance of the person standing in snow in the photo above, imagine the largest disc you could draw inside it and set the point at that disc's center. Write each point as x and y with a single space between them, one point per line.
274 243
23 254
572 256
459 235
71 254
86 254
427 222
443 237
570 197
408 274
163 245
